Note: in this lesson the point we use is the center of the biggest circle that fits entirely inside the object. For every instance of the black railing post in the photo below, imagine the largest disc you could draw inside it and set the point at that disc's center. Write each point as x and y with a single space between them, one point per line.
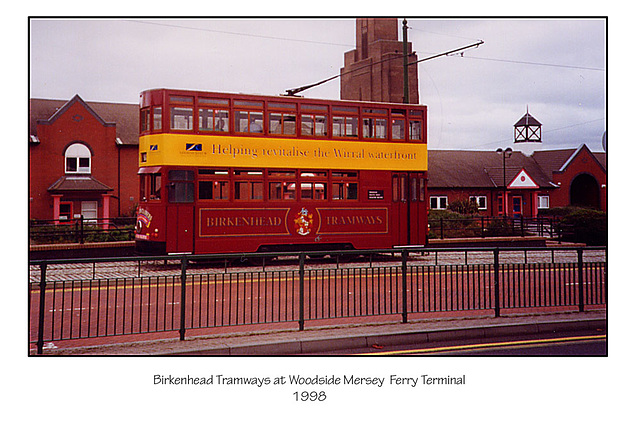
482 226
301 294
43 285
580 281
81 229
183 297
405 255
496 281
441 228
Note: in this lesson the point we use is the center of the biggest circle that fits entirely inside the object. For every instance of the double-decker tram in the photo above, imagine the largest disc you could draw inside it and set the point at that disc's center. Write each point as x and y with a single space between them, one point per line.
226 173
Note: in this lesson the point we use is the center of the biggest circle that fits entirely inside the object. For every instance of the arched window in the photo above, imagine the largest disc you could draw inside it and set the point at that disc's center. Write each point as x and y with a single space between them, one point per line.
77 159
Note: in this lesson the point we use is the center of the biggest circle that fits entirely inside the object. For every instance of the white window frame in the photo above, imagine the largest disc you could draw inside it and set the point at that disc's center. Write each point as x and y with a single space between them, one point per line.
78 152
89 211
541 199
439 198
477 199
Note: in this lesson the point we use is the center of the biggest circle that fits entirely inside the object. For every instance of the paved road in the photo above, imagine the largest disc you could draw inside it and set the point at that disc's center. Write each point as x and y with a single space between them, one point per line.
581 343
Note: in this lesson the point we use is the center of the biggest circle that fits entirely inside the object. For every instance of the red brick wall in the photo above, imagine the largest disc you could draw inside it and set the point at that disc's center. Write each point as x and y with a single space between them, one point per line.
582 163
47 161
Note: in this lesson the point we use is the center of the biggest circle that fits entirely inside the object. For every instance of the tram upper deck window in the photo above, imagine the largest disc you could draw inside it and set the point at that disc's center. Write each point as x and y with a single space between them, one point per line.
282 118
398 124
181 118
314 120
374 123
157 118
213 115
415 125
345 122
181 112
248 116
145 120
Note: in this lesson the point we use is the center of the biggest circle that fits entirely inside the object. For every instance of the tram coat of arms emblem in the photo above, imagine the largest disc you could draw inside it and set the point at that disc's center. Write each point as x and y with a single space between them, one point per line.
303 222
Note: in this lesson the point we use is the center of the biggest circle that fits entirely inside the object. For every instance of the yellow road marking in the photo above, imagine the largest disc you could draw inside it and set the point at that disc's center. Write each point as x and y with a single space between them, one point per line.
489 345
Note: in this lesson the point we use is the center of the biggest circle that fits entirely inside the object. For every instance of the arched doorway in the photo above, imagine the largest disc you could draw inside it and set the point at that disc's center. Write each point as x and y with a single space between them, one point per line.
585 192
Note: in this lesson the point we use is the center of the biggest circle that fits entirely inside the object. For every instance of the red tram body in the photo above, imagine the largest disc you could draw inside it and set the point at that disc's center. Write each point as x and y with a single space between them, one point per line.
226 173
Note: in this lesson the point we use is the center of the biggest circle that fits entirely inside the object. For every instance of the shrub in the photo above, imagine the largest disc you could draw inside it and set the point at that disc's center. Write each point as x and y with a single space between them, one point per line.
585 226
464 206
454 225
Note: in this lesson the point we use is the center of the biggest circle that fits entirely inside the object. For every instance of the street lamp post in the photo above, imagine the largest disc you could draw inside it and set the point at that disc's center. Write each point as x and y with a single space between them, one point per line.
506 153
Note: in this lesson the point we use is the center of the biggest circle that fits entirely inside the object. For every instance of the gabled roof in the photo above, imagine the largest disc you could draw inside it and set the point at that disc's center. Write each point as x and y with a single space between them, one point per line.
480 169
558 160
124 116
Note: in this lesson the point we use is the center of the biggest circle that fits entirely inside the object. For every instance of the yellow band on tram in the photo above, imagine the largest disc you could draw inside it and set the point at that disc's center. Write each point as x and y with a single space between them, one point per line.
260 152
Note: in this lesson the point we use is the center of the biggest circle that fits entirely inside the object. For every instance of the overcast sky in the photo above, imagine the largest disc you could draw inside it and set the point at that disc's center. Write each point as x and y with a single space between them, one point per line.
555 67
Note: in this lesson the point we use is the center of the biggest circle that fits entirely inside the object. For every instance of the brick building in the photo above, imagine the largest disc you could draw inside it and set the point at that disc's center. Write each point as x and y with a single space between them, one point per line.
545 179
83 159
374 70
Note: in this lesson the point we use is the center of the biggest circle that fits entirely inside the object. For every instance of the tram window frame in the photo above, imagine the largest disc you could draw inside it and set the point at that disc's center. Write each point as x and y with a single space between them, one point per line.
415 129
219 182
375 123
344 186
248 185
145 120
282 185
282 119
155 186
216 190
254 112
313 185
181 118
151 187
157 118
398 125
314 120
181 186
346 121
219 114
344 126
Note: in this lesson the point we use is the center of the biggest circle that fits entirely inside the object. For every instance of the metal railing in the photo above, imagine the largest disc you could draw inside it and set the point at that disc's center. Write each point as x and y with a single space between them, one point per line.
82 298
483 227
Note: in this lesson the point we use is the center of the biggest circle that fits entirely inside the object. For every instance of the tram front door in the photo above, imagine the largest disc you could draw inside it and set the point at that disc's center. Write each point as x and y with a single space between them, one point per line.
180 212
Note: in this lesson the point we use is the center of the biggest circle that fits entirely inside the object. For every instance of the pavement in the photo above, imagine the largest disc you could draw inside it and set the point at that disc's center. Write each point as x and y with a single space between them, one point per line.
326 339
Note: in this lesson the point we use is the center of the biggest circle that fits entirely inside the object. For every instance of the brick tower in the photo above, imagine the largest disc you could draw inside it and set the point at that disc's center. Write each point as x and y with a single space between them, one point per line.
374 70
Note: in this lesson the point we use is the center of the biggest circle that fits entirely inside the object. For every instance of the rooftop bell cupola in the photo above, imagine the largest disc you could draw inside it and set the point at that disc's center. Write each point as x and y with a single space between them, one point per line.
527 133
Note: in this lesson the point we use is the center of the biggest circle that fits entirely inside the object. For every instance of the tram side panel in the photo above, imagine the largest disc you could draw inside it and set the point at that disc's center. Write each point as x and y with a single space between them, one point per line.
379 218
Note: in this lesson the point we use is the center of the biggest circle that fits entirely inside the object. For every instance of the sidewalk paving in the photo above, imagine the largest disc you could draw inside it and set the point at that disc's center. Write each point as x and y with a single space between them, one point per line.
327 339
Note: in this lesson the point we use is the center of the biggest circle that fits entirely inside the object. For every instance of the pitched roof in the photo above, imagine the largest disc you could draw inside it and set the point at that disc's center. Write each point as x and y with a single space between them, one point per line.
527 120
124 115
78 183
556 160
480 169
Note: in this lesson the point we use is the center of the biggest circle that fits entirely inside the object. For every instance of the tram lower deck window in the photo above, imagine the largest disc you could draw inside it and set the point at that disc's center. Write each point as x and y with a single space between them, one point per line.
218 190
